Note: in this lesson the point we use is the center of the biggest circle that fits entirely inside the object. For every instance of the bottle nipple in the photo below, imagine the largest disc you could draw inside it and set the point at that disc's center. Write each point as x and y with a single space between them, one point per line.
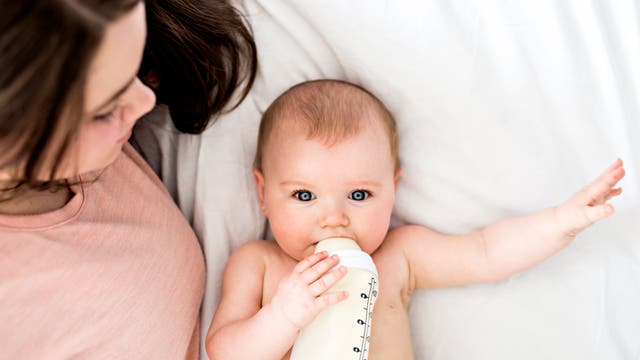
331 244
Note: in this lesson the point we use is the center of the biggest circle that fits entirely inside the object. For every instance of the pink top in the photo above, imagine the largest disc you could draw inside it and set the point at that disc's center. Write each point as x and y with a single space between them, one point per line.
117 273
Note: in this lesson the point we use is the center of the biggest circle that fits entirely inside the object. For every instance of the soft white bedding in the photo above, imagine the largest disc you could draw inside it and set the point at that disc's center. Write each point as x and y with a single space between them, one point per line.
503 107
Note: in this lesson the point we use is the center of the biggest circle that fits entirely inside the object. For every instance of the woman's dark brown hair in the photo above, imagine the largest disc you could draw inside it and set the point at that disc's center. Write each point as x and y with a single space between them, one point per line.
199 52
46 47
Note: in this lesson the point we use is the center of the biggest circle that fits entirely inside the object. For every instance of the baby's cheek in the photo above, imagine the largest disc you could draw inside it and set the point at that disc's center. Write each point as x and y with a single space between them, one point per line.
285 223
371 237
375 233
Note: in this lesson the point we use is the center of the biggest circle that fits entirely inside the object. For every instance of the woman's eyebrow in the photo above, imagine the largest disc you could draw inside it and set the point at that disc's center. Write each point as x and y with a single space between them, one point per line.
116 94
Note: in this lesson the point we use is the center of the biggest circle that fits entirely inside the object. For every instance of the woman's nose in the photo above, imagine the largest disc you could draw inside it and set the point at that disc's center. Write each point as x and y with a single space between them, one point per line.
141 100
333 215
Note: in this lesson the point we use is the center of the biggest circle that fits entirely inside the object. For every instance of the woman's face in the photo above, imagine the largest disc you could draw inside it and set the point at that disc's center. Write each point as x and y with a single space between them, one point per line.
114 97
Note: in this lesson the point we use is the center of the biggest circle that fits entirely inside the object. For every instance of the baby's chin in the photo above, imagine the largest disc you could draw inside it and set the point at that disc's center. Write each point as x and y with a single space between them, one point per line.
305 253
309 251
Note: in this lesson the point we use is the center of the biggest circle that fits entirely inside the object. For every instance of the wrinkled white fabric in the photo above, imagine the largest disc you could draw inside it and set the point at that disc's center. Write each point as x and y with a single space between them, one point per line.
503 107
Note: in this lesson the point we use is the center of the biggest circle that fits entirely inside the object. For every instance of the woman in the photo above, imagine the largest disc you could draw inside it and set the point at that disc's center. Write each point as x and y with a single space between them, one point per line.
96 260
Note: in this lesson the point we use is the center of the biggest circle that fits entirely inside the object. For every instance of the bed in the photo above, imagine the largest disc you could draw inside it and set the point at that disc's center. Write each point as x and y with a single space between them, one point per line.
503 107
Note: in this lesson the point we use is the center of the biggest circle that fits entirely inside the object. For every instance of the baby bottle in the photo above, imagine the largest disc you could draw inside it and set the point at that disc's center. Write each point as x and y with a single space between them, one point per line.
341 331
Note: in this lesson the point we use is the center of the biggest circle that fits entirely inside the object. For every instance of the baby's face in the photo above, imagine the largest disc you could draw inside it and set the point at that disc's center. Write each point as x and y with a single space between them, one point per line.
310 191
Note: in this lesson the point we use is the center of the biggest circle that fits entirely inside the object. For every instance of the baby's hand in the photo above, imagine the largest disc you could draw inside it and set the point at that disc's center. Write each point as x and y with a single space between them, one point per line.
299 297
590 204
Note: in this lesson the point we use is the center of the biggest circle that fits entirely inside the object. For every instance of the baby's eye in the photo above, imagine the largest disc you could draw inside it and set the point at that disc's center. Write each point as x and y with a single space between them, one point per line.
359 195
304 195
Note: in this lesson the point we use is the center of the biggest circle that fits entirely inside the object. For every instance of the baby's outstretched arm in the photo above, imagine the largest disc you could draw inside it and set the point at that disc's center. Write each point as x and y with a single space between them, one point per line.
242 328
516 244
503 248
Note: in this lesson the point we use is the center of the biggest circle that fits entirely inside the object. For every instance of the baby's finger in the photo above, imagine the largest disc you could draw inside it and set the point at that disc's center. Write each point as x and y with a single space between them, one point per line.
320 268
605 185
600 187
612 193
325 282
616 164
310 261
326 300
598 212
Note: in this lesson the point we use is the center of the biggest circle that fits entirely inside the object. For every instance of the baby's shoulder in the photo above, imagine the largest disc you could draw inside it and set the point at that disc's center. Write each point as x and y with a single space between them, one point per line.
403 240
402 248
410 232
256 253
255 250
256 246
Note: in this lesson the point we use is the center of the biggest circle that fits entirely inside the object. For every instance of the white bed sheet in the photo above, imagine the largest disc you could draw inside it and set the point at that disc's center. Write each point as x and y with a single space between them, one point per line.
503 107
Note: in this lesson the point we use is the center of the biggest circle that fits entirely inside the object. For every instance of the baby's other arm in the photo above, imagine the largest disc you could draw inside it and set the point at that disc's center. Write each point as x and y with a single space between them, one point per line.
507 246
235 322
242 327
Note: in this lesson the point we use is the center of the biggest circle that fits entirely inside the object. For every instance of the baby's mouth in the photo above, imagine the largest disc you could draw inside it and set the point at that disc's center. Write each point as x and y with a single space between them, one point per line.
332 237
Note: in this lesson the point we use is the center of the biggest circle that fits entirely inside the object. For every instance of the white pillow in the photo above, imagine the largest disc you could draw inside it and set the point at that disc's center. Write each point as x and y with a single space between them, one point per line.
503 108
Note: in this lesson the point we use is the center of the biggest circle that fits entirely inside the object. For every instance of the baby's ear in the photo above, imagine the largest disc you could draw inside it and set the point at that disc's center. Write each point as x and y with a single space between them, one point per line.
258 177
396 177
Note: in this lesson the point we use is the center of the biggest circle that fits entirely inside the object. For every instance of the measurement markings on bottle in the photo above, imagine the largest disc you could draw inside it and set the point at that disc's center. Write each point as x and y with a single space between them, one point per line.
369 299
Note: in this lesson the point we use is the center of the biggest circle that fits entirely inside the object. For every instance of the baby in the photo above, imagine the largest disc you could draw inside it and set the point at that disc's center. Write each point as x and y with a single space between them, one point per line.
327 166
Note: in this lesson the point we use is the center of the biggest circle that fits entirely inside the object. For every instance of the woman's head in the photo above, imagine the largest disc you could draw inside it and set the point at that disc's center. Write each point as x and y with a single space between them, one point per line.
69 94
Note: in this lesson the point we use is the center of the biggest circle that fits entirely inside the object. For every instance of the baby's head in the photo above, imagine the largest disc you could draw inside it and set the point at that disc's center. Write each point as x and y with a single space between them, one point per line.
328 111
327 166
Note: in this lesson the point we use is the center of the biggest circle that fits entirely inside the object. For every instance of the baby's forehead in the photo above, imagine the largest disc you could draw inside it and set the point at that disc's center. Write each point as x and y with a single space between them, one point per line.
360 158
331 131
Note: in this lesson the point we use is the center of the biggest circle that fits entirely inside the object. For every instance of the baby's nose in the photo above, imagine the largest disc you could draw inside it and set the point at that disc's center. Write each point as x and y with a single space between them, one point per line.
333 215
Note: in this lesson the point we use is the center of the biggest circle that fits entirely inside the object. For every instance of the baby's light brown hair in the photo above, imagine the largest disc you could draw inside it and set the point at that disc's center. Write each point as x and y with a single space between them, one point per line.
329 110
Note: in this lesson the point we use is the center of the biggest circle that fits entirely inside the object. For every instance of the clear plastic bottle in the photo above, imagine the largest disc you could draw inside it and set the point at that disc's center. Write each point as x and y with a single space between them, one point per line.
341 332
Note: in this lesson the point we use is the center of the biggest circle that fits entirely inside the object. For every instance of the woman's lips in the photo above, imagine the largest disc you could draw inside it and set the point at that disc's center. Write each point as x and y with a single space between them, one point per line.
126 137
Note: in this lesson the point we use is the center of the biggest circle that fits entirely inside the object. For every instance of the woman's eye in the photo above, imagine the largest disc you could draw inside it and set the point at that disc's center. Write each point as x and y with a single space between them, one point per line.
359 195
106 116
304 195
